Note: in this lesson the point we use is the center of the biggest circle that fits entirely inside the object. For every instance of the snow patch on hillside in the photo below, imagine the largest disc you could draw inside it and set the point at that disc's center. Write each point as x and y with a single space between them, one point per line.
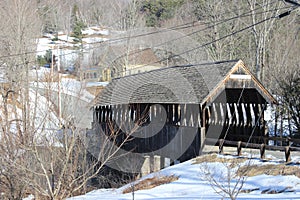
192 184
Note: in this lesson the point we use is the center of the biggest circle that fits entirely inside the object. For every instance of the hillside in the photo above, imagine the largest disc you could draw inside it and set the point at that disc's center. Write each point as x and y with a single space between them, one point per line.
270 179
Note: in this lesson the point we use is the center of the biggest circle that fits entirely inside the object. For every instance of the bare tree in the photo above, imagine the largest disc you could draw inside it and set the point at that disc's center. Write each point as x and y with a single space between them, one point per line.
282 68
19 28
261 33
226 179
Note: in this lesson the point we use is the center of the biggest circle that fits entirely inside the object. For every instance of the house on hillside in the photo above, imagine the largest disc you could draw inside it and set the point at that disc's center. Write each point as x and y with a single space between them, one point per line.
171 111
134 62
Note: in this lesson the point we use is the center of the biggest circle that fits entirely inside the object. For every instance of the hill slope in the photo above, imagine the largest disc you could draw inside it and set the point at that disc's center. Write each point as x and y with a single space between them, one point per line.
271 179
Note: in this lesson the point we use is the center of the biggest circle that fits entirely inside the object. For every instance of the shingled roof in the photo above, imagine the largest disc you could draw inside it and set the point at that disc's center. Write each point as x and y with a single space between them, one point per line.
190 84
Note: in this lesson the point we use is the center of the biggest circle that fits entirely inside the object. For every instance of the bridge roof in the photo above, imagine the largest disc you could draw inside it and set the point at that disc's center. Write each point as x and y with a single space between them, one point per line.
189 84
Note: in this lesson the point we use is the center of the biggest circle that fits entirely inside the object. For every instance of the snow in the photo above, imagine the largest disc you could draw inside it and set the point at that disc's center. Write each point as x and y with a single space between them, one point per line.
95 31
94 84
65 49
68 86
30 197
43 44
192 184
94 40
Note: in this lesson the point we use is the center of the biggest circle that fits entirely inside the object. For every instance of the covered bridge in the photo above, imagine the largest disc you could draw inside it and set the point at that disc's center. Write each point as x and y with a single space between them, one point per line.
171 111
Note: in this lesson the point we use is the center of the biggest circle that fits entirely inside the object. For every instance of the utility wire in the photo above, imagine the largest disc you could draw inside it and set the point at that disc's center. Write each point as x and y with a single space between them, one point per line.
140 35
173 28
203 29
216 40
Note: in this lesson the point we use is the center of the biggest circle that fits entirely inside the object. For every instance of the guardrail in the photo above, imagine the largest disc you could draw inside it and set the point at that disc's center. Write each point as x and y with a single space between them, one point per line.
262 147
277 140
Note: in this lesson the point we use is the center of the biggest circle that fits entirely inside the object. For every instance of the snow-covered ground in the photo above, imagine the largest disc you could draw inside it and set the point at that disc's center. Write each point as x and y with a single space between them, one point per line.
66 50
193 183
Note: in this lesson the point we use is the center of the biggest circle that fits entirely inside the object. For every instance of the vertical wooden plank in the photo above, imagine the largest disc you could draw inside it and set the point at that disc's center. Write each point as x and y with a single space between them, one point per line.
180 118
183 115
199 116
287 154
159 112
257 131
124 115
173 114
176 113
169 114
118 117
208 109
104 114
212 114
241 117
228 115
151 113
203 117
131 110
248 127
248 115
99 114
110 113
221 146
195 112
236 115
223 114
189 114
239 148
218 114
233 115
202 138
262 151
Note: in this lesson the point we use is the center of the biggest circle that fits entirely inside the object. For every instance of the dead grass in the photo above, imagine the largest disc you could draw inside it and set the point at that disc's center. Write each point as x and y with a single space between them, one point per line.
215 158
70 76
269 169
252 170
151 183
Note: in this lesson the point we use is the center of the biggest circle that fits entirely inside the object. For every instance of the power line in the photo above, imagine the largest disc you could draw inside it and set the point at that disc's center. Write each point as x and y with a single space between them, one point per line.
177 27
208 27
171 29
216 40
193 49
206 44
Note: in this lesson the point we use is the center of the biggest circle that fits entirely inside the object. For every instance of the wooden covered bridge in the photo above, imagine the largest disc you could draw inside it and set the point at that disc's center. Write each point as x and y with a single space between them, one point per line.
172 111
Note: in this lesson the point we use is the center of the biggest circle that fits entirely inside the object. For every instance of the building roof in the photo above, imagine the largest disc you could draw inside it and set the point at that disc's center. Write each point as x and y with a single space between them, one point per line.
189 84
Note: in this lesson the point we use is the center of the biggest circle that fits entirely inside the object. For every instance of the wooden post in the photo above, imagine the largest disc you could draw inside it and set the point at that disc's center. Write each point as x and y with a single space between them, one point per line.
288 141
202 139
239 148
287 154
262 151
146 166
156 163
221 142
167 162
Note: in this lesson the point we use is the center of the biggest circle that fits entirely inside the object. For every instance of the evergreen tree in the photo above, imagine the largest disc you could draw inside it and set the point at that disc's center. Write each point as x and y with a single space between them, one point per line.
160 10
77 24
